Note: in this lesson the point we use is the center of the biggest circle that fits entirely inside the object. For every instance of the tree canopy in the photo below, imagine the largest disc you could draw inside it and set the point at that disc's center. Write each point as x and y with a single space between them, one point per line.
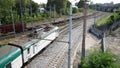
60 4
15 5
5 6
80 4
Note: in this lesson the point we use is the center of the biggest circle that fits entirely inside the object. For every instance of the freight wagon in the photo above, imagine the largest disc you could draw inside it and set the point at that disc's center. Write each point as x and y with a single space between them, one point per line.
10 27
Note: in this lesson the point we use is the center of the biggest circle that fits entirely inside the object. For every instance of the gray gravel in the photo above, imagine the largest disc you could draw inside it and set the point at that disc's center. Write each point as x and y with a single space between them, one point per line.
41 60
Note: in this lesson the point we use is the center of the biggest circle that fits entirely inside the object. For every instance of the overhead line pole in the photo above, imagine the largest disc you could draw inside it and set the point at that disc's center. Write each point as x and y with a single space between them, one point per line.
84 29
70 38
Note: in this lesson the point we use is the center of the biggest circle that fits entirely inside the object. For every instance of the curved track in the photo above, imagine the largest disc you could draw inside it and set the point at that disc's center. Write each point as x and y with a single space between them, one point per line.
55 55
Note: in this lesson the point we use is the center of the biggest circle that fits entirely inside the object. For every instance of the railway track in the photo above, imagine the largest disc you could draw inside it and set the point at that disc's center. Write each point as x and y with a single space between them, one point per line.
61 55
57 59
63 21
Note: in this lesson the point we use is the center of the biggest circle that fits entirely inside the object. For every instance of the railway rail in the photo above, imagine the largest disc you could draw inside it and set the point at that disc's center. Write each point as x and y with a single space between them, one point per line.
60 56
77 44
63 22
54 62
57 59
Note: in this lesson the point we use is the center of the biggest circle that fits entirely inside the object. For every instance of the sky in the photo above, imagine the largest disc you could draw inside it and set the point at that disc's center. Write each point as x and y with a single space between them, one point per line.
73 1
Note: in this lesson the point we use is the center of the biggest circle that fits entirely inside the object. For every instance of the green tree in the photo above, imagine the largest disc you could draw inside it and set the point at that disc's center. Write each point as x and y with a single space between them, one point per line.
60 5
35 7
75 10
25 6
80 4
68 4
98 59
5 10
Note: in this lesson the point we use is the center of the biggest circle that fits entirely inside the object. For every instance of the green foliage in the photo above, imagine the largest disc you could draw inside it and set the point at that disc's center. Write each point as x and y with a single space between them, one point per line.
35 7
110 19
80 9
60 5
84 64
95 5
103 21
67 11
80 4
16 17
98 59
5 10
75 10
5 13
68 4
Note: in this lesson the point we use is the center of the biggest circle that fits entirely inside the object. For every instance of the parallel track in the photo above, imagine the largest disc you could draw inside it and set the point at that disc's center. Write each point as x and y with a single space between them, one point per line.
64 22
59 58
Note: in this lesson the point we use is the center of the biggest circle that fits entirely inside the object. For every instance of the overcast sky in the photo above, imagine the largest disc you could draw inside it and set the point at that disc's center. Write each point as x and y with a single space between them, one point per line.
94 1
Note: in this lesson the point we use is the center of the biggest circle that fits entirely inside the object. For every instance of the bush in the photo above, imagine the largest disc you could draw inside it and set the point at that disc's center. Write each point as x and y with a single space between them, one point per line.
80 9
67 11
98 59
75 10
110 19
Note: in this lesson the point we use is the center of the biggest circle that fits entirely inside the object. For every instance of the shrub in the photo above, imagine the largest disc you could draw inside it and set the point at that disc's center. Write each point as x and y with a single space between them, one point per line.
98 59
110 19
80 9
75 10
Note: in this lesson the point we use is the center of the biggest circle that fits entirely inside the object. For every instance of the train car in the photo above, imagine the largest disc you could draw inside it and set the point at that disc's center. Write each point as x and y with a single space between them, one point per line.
23 49
9 27
10 57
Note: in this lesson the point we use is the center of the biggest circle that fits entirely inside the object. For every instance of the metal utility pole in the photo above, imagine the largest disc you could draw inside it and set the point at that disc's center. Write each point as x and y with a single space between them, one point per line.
94 19
21 13
84 29
13 20
103 47
70 38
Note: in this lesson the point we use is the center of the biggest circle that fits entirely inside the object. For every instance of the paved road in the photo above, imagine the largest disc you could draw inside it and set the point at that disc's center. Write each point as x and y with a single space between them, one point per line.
43 60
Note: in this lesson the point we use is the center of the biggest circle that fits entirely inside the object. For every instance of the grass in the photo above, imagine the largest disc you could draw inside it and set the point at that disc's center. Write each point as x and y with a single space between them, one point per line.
103 20
3 42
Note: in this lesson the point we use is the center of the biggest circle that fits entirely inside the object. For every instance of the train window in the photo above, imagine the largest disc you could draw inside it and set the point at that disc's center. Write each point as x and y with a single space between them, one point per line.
28 50
8 65
34 48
